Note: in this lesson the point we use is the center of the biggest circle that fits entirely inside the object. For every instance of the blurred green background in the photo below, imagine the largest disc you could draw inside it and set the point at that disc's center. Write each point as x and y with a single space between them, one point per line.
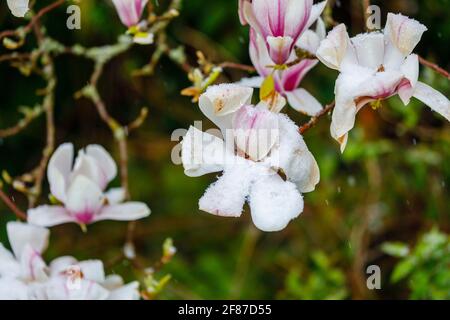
391 185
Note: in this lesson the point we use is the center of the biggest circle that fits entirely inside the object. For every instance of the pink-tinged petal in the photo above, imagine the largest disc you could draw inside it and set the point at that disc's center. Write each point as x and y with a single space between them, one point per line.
369 49
130 11
404 33
259 55
291 77
66 288
335 50
274 203
49 216
13 289
410 70
302 101
226 197
255 131
316 12
84 200
129 291
92 270
22 234
59 168
280 48
128 211
220 102
33 267
202 153
106 164
433 99
242 17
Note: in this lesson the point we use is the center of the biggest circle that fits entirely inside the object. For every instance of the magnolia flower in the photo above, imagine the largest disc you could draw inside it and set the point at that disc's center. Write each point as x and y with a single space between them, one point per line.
18 7
25 276
130 12
376 66
280 23
287 81
81 190
258 144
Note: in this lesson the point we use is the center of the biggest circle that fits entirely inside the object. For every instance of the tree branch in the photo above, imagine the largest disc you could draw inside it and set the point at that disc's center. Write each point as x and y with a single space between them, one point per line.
12 206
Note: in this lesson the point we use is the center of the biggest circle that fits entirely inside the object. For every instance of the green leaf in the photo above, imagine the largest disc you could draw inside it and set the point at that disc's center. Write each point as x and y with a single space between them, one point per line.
395 249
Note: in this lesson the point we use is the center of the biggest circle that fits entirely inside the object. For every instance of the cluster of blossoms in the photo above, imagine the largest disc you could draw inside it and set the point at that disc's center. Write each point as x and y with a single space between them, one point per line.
25 276
267 162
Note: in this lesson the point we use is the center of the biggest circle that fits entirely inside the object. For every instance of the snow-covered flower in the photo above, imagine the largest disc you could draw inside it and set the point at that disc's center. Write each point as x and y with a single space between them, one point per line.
18 7
130 12
257 147
376 66
280 23
25 276
287 81
80 187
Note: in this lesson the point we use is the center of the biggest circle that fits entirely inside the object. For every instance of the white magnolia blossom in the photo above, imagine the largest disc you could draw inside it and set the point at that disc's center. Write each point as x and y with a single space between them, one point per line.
258 144
80 187
376 66
18 7
25 276
287 81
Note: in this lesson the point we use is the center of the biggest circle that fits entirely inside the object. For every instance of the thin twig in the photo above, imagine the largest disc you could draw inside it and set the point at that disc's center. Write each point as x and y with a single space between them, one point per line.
12 206
435 67
312 122
238 66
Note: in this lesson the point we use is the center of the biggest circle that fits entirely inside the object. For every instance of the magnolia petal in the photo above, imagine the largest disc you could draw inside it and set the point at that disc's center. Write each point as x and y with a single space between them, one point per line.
255 131
226 197
130 11
84 199
128 211
18 7
279 48
274 202
403 32
9 267
144 38
316 12
22 234
112 282
302 101
115 195
66 288
33 267
292 76
410 69
92 270
129 291
13 289
59 168
433 99
220 102
309 41
259 54
369 49
105 163
335 47
48 216
60 265
253 82
242 17
202 153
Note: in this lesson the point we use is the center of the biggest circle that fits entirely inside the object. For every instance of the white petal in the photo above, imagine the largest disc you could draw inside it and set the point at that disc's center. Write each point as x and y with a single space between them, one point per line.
316 12
59 168
127 211
112 281
9 267
335 48
302 101
226 197
115 195
84 199
22 234
433 98
129 291
274 202
220 102
33 268
48 216
64 288
105 162
202 153
369 49
18 7
309 41
60 265
144 38
253 82
410 69
92 270
403 32
255 131
12 289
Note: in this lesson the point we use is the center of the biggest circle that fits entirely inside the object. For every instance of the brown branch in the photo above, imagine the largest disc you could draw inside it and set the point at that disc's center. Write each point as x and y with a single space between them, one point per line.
21 125
435 67
12 206
238 66
34 20
312 122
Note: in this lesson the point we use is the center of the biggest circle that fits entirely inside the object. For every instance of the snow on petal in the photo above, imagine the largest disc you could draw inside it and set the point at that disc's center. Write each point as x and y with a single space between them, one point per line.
59 169
9 267
220 102
403 32
18 7
274 203
302 101
433 99
369 49
335 48
22 234
202 153
49 216
127 211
